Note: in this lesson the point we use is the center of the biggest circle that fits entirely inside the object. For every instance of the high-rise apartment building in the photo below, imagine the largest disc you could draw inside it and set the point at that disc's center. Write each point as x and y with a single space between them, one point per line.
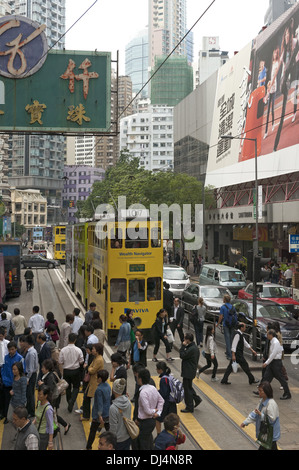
167 26
107 147
148 135
37 161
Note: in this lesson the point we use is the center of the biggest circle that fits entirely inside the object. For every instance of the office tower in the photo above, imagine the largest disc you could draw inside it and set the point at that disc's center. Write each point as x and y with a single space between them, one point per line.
210 58
37 161
136 64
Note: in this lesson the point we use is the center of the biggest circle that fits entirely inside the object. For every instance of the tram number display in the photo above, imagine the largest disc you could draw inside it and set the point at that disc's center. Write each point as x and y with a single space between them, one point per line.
137 268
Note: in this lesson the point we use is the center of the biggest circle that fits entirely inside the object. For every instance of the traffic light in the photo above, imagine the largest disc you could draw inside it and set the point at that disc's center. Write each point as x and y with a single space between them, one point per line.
259 264
250 265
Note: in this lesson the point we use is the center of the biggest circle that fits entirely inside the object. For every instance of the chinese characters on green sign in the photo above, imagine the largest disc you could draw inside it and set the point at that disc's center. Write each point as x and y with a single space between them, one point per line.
60 91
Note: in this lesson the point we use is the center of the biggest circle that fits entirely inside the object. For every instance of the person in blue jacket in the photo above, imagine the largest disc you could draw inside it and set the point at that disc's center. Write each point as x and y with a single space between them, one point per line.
7 374
171 436
100 409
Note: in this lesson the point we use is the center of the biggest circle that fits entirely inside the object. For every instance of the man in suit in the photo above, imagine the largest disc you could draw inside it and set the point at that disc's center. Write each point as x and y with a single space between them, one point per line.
177 318
189 353
44 351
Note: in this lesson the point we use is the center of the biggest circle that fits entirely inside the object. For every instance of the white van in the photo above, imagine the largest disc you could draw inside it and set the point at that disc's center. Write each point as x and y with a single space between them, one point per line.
177 278
222 275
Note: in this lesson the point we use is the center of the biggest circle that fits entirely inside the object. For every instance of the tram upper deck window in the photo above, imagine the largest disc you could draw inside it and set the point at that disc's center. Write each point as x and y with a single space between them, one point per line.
156 237
136 290
116 238
137 238
118 290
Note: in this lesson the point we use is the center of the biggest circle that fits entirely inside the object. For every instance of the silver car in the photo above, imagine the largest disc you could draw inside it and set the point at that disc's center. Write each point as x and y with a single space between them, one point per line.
212 295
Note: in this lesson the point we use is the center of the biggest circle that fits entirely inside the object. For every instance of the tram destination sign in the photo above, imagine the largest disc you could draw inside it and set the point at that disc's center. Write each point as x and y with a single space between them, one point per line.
66 92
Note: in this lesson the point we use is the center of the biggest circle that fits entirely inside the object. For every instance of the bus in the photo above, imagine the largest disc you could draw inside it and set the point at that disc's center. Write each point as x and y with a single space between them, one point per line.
118 272
37 234
59 242
38 248
12 251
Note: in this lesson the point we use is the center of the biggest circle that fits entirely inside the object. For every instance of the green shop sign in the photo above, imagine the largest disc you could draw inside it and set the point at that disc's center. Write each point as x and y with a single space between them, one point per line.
66 92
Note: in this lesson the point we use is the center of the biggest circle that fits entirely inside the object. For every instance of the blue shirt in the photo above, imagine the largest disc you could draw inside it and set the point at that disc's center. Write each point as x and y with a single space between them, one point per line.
6 370
102 401
224 310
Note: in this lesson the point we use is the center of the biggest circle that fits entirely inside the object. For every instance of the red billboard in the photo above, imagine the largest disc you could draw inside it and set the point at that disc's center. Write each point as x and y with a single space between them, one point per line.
256 98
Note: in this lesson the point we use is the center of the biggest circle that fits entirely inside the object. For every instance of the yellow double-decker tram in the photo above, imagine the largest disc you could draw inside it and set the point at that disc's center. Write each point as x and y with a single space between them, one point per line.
59 232
123 269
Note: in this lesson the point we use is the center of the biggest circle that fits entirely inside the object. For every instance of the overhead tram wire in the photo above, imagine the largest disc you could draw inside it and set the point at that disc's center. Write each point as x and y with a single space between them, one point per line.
156 71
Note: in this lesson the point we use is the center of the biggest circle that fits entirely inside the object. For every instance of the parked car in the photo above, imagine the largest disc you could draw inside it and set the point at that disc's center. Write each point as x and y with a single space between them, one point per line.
38 261
176 277
266 312
222 275
212 295
279 294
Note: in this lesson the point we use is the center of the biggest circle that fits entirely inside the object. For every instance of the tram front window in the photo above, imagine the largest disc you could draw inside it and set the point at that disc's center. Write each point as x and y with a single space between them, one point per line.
118 290
137 290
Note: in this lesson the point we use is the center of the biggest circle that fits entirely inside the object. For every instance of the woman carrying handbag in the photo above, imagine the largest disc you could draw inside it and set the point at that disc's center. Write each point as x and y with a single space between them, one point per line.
266 419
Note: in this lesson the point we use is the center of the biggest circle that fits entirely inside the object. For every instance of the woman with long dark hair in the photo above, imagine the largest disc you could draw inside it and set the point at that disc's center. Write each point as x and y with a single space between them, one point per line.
159 331
164 390
210 350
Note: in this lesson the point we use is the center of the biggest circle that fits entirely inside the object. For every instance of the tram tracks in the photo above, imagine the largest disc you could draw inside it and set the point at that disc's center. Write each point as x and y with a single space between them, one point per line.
48 297
215 423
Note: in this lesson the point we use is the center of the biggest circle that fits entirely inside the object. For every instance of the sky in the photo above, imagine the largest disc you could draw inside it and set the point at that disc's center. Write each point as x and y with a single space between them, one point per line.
110 25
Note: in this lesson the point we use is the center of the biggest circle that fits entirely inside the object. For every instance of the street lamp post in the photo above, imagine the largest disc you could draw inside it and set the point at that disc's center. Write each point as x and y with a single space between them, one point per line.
255 245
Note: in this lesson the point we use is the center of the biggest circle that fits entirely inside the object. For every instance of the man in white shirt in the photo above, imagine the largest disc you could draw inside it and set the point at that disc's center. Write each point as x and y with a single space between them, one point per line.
78 322
36 323
150 406
71 358
3 309
288 277
237 351
273 365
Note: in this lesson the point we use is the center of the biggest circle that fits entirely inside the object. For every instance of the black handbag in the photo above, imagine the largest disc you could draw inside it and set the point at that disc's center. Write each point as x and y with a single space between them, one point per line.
265 435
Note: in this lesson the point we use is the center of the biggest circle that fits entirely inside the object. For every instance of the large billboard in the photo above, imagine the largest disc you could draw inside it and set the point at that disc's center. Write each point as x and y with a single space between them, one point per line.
256 99
54 91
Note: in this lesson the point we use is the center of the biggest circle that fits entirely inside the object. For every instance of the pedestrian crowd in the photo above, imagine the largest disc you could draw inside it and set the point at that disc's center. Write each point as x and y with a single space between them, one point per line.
55 360
40 361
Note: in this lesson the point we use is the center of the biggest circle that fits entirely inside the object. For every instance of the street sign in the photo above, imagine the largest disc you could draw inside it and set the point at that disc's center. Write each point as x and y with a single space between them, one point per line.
65 92
293 243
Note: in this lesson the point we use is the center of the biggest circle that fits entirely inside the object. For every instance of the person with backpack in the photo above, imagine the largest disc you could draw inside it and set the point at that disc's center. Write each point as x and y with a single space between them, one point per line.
228 317
238 356
165 391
